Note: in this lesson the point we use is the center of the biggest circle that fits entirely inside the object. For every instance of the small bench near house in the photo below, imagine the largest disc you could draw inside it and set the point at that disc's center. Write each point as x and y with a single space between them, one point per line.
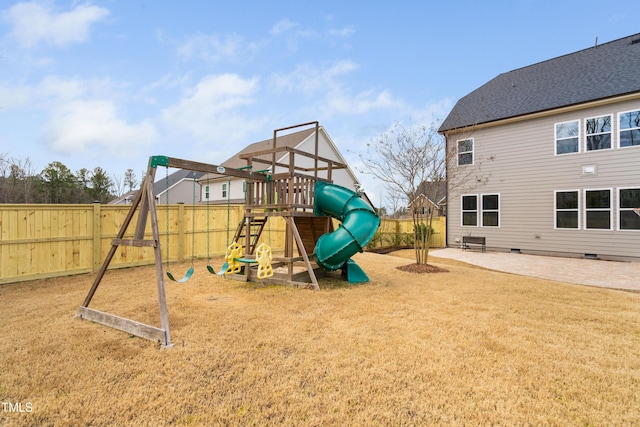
474 240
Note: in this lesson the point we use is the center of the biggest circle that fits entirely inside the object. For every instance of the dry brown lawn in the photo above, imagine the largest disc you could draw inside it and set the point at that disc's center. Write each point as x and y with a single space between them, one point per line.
467 347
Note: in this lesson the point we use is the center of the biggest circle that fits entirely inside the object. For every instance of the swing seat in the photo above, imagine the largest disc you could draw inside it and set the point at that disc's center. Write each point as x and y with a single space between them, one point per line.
222 271
186 277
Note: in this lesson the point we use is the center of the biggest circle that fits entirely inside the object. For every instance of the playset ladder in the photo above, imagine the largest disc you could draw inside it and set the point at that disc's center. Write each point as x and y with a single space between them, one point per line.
255 227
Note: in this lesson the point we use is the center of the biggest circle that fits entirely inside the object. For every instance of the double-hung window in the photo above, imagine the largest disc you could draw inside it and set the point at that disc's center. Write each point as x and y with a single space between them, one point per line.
224 191
470 210
567 207
598 133
483 210
490 210
629 130
629 198
597 206
568 137
465 152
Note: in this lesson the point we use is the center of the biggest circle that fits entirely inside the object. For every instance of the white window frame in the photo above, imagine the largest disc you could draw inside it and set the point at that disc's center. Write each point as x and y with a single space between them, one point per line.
462 210
556 210
224 190
620 130
555 137
483 210
620 209
473 148
611 133
586 209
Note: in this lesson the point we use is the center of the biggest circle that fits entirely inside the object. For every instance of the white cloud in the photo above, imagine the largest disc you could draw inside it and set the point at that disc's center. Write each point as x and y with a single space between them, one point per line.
343 32
282 26
214 48
79 125
309 79
341 103
33 23
328 85
209 112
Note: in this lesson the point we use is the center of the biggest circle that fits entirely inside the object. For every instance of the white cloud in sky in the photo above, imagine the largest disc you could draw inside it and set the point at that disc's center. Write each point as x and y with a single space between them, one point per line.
282 26
328 83
343 32
34 23
342 103
211 110
215 48
80 125
310 79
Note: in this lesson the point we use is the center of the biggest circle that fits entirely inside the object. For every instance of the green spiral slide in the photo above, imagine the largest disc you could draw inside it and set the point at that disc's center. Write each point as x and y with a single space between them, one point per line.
334 250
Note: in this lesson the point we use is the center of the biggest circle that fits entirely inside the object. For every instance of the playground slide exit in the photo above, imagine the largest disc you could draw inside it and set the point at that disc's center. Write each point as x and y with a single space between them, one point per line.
359 223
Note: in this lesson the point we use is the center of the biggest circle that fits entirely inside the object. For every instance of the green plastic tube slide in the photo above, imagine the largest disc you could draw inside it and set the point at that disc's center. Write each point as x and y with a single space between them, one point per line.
359 224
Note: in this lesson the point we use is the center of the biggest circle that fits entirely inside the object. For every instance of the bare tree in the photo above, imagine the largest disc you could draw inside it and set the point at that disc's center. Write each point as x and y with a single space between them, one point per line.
118 187
130 180
409 160
397 202
23 175
17 180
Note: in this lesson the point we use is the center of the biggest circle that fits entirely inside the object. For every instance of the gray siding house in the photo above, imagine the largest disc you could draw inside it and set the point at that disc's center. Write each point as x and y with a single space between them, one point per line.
545 159
180 186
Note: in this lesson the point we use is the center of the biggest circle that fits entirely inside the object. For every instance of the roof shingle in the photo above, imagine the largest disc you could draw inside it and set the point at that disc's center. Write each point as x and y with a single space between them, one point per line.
600 72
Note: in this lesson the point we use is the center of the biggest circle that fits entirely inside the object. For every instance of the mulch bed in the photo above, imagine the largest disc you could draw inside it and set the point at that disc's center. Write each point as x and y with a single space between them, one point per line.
422 268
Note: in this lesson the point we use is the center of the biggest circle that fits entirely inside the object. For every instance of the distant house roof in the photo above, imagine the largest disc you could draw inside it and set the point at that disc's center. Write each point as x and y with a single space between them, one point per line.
435 192
290 140
164 183
600 72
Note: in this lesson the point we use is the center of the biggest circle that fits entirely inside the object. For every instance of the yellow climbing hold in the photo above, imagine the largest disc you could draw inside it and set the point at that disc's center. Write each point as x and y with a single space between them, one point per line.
264 257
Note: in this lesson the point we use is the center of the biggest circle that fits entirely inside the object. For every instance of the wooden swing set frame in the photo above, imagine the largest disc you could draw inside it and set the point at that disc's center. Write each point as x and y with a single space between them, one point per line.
288 194
145 204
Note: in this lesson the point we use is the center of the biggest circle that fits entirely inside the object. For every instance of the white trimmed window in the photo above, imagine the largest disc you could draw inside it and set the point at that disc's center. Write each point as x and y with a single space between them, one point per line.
224 191
490 210
465 152
598 133
567 209
470 211
597 209
628 199
629 130
568 137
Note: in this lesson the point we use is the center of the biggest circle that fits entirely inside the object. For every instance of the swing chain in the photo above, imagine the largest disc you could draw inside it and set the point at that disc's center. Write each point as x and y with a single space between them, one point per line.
166 180
193 222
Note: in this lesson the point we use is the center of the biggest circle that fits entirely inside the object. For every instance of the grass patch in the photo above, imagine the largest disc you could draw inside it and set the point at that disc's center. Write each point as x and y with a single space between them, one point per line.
469 347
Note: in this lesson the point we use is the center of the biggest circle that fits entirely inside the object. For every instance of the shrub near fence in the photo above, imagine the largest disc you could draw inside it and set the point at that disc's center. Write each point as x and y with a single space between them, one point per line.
40 241
399 232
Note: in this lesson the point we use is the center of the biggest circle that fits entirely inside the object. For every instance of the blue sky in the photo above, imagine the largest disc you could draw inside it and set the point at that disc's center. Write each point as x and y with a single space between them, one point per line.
110 82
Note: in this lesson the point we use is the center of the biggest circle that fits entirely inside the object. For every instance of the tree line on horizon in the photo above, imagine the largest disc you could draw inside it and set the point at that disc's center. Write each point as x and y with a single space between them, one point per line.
57 184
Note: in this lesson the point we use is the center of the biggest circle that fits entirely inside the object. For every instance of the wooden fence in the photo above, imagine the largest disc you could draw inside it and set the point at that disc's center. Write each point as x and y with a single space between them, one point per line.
399 232
40 241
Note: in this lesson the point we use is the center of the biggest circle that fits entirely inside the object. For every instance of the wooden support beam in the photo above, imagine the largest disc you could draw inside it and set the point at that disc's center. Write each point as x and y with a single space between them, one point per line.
215 169
134 242
145 198
296 234
123 324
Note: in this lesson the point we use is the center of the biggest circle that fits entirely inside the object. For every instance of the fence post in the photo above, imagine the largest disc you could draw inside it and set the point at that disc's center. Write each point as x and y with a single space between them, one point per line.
180 232
97 237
